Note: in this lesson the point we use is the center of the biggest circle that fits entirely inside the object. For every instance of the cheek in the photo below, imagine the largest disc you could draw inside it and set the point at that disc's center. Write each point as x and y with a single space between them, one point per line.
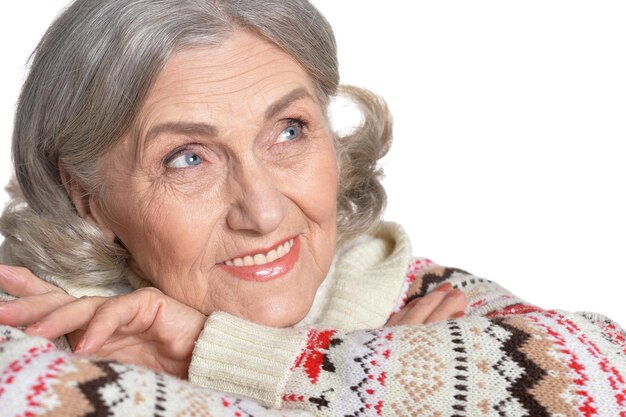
317 199
324 191
317 187
163 234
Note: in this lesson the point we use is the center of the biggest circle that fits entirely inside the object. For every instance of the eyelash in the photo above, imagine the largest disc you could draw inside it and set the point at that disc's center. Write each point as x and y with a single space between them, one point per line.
302 124
181 150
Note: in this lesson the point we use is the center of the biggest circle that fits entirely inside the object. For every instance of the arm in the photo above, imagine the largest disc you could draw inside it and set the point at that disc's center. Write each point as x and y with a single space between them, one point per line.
37 379
504 358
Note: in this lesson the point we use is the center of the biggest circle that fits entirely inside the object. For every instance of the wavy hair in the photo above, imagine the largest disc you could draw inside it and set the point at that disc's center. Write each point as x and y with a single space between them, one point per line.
89 76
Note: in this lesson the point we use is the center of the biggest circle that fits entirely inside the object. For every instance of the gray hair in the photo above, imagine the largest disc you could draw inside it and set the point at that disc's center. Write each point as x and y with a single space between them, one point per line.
88 78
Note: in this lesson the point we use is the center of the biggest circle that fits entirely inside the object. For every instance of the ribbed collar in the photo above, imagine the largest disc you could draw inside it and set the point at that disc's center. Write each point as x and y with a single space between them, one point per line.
365 281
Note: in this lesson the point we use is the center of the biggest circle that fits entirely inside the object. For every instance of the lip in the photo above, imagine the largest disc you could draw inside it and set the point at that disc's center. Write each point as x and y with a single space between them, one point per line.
263 250
268 271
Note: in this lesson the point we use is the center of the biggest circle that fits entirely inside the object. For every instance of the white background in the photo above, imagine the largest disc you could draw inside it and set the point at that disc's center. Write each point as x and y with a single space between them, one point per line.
510 126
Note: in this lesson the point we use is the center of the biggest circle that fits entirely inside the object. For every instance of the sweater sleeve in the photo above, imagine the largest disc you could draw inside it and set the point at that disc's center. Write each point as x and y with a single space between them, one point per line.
36 379
505 357
485 298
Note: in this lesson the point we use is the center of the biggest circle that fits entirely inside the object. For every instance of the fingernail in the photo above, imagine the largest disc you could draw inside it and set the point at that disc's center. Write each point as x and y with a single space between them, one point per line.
455 293
413 301
82 346
458 315
444 287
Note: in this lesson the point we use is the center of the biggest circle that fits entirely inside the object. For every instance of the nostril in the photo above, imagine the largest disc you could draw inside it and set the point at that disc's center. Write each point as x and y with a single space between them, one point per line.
258 205
261 217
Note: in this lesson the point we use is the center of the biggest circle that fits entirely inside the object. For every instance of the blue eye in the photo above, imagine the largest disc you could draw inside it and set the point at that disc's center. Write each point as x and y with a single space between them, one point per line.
185 160
290 133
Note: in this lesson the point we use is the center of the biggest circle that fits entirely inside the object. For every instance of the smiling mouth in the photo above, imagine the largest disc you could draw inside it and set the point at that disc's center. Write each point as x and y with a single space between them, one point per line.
265 266
262 258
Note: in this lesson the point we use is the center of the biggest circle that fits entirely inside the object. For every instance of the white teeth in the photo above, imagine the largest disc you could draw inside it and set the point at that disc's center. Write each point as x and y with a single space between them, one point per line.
262 259
272 255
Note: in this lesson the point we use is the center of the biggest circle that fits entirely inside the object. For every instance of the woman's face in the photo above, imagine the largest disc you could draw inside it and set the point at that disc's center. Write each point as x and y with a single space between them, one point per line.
225 192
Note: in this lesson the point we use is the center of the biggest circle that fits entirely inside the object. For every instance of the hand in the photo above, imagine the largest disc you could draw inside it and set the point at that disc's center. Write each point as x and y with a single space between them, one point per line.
441 304
145 327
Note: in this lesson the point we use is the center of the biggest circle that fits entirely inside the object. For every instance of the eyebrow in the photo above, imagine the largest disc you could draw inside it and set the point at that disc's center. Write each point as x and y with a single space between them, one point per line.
284 102
184 128
208 130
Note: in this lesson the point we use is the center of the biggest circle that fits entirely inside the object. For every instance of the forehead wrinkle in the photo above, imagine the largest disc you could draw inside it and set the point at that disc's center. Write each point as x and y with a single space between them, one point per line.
255 70
245 75
214 88
245 61
187 73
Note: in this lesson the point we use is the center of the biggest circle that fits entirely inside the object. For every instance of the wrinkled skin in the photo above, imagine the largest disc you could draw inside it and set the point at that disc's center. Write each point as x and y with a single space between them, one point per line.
186 200
255 179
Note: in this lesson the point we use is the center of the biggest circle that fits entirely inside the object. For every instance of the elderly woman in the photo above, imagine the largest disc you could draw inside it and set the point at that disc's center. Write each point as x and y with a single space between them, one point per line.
181 149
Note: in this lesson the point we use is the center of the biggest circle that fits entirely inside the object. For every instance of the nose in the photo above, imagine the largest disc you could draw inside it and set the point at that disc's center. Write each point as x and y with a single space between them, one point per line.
258 206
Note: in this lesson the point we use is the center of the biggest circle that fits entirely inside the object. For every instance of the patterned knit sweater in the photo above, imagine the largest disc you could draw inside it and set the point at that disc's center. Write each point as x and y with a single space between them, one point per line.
505 358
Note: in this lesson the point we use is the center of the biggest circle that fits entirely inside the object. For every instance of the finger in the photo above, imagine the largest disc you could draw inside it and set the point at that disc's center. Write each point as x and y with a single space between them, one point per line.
128 314
114 316
20 282
452 306
396 317
426 305
67 318
26 310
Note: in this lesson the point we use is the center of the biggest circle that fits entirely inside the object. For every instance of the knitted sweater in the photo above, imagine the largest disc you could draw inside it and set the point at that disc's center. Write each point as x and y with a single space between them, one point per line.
506 358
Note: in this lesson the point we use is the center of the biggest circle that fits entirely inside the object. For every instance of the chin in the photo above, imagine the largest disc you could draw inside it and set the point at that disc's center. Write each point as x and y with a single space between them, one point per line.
281 315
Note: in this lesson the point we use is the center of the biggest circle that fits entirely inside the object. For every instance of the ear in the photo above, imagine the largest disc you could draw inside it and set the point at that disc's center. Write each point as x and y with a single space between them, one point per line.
84 204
